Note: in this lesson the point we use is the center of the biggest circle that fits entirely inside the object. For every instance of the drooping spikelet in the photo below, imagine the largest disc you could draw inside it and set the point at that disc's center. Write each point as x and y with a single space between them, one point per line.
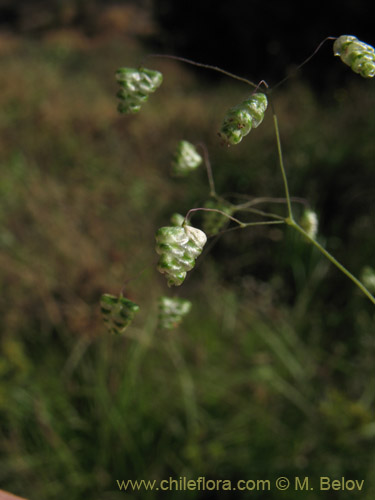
136 85
240 119
368 278
178 220
186 159
358 55
172 311
309 222
178 247
117 312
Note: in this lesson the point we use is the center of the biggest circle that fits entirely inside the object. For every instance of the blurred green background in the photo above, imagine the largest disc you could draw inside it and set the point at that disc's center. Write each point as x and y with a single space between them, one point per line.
272 373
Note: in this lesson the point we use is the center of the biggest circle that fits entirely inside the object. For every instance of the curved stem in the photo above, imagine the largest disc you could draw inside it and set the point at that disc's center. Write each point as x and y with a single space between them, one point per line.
279 219
242 224
302 63
333 260
207 66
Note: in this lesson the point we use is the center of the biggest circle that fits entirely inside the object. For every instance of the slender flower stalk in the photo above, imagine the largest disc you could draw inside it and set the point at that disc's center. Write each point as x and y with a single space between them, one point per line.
283 173
206 66
269 199
203 209
291 222
334 261
207 163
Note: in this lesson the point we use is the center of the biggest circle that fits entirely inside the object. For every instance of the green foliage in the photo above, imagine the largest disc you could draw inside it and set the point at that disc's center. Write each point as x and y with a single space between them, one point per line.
189 403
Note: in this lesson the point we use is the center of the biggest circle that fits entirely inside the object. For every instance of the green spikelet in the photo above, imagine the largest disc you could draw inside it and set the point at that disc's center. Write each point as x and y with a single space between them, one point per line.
136 85
117 312
186 159
368 278
178 247
240 119
213 222
172 311
177 219
309 222
358 55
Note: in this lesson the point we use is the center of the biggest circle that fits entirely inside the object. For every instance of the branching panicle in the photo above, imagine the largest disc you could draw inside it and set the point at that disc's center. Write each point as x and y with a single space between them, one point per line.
180 244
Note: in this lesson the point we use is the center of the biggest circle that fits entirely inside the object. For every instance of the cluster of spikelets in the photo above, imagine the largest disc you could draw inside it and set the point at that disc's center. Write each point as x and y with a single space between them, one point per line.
180 244
118 312
358 55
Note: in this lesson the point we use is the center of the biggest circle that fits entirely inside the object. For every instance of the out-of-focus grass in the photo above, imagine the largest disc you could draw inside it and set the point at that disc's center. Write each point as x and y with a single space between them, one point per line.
270 374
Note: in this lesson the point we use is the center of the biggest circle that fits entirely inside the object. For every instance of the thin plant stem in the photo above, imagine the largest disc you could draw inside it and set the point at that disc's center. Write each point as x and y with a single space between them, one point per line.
207 163
302 63
242 224
264 223
291 222
265 214
249 224
268 199
207 66
333 260
262 82
279 150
